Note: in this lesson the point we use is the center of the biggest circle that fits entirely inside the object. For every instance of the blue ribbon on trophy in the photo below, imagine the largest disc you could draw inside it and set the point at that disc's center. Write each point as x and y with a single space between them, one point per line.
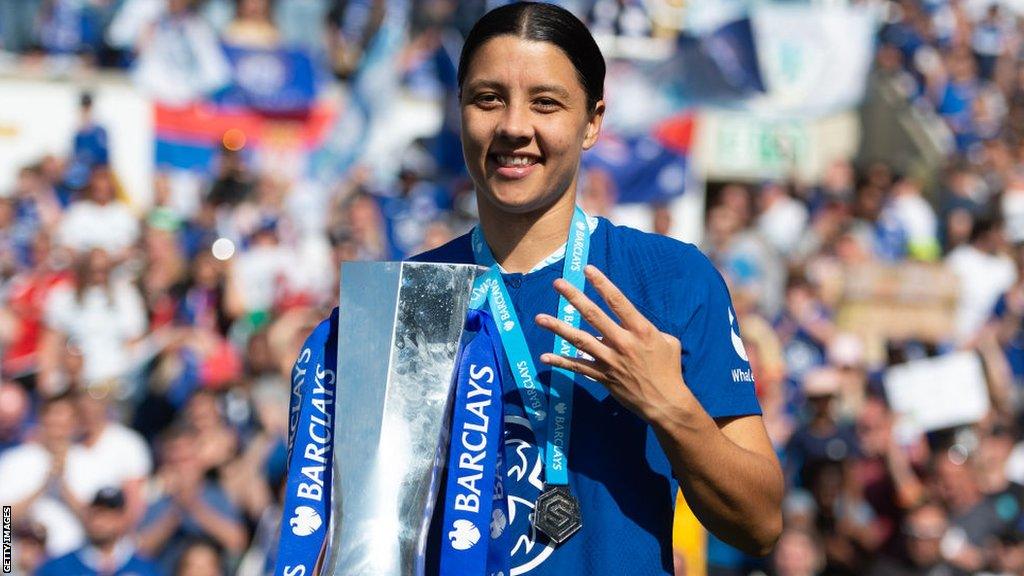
307 503
434 355
476 512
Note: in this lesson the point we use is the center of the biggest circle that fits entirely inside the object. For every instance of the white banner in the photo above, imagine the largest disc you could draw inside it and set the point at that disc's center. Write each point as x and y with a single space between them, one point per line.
937 393
731 145
814 59
40 117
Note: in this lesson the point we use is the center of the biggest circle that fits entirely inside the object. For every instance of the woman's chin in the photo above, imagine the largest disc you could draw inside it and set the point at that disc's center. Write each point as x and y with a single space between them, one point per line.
517 203
518 199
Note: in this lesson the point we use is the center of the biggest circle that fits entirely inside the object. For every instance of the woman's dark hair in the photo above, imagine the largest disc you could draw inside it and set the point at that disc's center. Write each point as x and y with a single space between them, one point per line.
542 22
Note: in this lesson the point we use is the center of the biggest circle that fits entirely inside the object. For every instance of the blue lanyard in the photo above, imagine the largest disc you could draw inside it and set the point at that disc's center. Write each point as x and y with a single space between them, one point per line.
549 418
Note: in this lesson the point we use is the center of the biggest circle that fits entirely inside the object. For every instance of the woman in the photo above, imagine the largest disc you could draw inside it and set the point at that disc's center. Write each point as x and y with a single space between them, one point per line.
98 314
668 398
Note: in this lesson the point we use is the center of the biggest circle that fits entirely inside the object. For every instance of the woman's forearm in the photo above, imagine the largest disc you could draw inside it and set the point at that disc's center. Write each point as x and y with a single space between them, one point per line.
735 491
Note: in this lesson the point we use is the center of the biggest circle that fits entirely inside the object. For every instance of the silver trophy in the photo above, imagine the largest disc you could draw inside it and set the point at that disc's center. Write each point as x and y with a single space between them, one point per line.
398 339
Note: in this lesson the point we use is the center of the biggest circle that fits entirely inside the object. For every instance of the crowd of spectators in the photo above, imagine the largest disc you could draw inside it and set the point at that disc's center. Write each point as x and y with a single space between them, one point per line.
864 495
146 352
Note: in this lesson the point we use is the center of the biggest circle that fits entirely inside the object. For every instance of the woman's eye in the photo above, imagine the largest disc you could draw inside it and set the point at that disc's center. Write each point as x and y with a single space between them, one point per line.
487 100
546 104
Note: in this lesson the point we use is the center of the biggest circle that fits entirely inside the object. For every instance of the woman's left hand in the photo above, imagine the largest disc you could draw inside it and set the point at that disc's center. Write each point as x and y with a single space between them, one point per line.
639 364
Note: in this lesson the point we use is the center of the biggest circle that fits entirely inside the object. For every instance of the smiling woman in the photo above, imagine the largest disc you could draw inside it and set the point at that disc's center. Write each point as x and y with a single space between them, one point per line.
635 381
655 402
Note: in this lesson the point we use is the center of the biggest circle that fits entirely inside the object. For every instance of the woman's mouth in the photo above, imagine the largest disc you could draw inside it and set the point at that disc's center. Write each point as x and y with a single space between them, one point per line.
513 166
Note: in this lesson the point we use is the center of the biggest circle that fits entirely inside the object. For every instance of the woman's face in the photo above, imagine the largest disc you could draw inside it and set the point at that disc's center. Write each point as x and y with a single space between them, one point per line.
525 123
101 187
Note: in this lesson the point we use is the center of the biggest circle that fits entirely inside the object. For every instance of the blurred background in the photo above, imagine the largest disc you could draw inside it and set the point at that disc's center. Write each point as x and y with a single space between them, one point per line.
181 179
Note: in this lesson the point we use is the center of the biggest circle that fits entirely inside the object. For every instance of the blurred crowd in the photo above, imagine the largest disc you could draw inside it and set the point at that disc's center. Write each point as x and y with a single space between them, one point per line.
146 352
867 495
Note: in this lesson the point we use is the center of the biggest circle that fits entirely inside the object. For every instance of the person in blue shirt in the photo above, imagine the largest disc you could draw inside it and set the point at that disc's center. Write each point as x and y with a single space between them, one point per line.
664 396
109 551
90 147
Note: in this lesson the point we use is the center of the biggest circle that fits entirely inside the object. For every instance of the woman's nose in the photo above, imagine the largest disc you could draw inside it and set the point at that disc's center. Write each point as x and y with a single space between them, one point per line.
516 123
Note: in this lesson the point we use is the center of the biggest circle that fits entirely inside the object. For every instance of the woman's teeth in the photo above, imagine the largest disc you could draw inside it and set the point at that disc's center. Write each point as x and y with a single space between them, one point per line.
515 160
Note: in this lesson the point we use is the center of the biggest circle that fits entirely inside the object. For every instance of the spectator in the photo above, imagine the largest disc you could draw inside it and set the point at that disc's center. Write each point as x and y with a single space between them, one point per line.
201 557
413 206
261 273
1008 318
15 410
805 326
112 454
798 553
922 531
99 219
845 521
983 257
179 58
366 226
216 442
37 475
917 218
891 485
27 295
109 550
37 208
64 28
100 315
821 439
252 25
89 148
28 546
782 218
186 505
990 39
973 519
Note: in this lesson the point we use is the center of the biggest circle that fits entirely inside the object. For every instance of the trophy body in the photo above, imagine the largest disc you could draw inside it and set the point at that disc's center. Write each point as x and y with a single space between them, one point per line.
399 332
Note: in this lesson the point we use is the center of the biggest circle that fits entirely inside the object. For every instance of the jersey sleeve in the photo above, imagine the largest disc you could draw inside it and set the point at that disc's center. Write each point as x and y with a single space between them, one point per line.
715 365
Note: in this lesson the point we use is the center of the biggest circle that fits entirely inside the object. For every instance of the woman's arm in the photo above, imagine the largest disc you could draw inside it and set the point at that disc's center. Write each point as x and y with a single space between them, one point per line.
728 470
728 473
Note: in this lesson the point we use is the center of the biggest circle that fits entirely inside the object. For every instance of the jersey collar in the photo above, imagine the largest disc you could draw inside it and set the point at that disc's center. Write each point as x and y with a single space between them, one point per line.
554 257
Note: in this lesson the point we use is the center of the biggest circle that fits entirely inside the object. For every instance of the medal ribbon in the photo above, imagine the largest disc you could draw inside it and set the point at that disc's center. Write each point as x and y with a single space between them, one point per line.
551 416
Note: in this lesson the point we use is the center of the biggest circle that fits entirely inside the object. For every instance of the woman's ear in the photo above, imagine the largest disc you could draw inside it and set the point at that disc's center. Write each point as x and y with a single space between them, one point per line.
594 125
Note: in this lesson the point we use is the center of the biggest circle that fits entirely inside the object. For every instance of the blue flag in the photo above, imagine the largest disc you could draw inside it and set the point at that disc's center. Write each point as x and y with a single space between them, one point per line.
272 81
643 170
715 67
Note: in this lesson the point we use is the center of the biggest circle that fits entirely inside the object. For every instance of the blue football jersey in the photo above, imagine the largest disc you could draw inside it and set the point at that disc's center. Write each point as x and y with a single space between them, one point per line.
617 469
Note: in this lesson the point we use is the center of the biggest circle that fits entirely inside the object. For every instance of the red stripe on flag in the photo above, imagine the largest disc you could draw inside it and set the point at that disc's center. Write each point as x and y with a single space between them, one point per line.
206 123
676 133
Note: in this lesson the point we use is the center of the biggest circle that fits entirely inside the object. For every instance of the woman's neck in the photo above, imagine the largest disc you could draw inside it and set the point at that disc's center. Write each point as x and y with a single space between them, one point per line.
520 241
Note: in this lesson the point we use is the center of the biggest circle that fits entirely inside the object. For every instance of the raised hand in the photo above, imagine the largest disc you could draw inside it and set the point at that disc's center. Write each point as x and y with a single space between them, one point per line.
638 363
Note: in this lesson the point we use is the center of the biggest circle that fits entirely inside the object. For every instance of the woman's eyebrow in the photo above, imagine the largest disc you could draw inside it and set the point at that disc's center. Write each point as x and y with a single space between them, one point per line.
551 88
492 84
556 89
